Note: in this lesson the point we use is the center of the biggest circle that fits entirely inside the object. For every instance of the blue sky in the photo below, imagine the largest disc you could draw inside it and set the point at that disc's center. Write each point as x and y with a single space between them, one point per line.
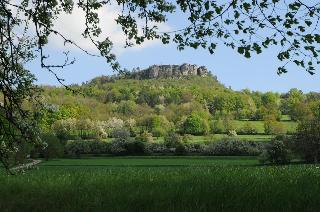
257 73
232 69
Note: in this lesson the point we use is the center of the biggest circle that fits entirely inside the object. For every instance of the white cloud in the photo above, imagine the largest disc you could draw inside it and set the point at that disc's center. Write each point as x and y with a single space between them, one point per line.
72 26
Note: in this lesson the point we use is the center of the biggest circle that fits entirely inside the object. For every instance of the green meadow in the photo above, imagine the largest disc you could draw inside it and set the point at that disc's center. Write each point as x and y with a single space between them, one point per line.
162 184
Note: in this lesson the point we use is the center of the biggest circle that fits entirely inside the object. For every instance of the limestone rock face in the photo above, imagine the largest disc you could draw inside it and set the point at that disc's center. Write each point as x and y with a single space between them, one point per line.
170 71
202 70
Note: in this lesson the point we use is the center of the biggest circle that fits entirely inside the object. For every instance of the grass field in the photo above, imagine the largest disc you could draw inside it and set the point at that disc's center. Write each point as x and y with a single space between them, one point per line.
290 126
218 137
162 184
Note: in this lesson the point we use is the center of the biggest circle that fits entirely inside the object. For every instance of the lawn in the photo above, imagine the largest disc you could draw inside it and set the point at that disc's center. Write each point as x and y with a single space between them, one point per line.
162 184
218 137
290 126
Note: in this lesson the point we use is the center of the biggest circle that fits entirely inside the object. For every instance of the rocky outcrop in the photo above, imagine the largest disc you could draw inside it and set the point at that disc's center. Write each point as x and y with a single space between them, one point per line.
169 71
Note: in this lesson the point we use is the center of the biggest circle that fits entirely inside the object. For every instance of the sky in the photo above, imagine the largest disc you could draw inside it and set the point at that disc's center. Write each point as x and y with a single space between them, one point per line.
257 73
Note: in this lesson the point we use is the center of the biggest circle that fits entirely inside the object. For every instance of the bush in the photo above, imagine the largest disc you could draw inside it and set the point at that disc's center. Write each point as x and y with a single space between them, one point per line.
54 149
172 139
63 128
98 147
272 127
217 127
248 129
121 133
234 147
157 124
180 149
276 151
222 126
158 148
128 146
23 152
195 125
144 137
307 140
158 132
186 138
232 133
118 147
135 147
78 147
197 148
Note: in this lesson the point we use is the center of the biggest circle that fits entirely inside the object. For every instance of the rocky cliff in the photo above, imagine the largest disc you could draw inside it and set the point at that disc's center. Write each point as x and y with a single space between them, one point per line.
169 71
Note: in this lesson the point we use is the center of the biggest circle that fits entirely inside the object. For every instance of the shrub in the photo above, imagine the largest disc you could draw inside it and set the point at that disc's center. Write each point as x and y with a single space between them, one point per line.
307 140
54 149
126 107
232 133
276 151
186 138
158 148
198 148
121 133
144 137
234 147
99 147
157 124
158 132
248 129
21 153
272 127
217 127
115 123
130 124
85 127
123 144
64 128
172 139
180 149
76 148
135 147
118 147
100 129
227 123
195 125
222 126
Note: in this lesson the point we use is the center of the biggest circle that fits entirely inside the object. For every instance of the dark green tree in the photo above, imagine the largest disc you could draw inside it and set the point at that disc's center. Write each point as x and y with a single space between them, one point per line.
195 125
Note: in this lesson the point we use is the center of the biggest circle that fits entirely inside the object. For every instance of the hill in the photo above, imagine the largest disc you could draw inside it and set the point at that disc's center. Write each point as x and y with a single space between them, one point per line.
166 96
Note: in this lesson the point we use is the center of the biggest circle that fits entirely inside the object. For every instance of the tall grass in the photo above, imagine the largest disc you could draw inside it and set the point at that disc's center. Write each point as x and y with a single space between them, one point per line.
211 187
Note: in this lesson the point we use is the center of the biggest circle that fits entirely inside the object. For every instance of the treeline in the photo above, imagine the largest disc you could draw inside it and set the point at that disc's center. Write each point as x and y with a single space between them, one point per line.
304 145
128 117
192 105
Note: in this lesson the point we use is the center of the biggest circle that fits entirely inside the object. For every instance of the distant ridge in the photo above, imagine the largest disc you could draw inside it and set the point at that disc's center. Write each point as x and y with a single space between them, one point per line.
169 71
158 72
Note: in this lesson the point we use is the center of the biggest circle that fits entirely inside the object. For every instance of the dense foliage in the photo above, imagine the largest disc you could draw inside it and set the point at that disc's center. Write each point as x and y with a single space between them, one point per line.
277 151
308 140
191 105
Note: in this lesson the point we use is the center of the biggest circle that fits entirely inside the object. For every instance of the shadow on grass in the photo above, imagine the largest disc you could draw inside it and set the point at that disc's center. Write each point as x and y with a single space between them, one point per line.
293 163
151 165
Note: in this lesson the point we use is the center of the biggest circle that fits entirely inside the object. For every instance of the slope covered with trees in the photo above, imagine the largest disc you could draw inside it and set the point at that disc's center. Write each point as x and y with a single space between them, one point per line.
197 105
